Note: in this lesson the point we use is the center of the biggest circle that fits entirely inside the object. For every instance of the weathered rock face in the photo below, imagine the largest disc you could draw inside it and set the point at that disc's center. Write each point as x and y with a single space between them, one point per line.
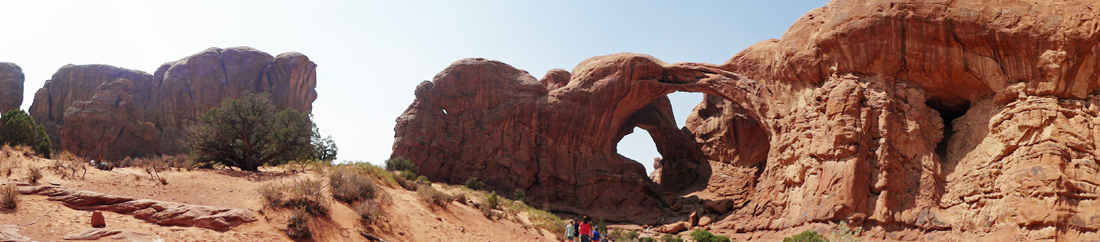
931 115
485 119
11 86
107 126
173 97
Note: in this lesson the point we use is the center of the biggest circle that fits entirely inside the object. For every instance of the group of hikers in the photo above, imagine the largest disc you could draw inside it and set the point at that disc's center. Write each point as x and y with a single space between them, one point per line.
581 231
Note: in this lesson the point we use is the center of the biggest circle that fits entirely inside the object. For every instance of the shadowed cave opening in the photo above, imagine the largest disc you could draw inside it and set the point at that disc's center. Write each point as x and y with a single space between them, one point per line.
949 109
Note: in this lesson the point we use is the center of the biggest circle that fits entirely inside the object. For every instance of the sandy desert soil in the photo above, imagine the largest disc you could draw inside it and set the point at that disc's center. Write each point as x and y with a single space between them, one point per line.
406 218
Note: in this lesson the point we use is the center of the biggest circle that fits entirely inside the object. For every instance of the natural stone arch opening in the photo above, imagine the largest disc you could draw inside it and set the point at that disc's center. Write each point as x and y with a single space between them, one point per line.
950 110
641 147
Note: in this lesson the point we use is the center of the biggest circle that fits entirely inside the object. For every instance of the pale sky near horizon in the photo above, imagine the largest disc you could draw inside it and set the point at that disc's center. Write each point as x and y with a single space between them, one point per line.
372 54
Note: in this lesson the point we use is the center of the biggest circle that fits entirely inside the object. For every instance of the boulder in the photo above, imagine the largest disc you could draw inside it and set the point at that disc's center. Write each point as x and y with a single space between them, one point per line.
11 86
673 228
705 220
107 126
97 220
719 206
692 219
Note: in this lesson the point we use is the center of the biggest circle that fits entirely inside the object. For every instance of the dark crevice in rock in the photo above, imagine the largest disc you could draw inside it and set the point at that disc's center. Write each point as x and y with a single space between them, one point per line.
949 109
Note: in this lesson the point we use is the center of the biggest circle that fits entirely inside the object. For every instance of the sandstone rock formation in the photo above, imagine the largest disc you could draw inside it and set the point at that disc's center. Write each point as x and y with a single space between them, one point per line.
11 86
923 115
486 119
172 97
107 126
158 212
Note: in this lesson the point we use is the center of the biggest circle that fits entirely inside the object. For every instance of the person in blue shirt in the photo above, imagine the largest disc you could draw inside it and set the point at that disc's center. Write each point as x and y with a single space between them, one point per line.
595 235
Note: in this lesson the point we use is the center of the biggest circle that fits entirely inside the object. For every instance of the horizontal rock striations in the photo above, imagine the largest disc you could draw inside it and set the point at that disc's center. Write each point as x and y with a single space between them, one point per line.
170 99
969 116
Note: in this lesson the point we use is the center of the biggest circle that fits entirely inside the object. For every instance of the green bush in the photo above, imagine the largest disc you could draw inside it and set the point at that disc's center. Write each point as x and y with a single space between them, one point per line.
601 226
473 183
647 239
349 186
18 128
671 238
806 236
249 133
400 164
492 200
423 180
700 235
623 236
521 196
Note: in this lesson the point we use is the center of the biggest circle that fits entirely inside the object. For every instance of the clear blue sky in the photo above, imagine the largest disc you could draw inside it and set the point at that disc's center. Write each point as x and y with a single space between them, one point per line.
372 54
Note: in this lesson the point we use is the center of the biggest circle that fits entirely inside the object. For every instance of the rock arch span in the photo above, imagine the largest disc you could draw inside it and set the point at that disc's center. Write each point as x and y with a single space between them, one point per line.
556 138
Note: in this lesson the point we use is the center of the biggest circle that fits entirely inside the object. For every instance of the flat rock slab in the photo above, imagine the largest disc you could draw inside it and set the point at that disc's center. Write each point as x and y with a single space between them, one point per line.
158 212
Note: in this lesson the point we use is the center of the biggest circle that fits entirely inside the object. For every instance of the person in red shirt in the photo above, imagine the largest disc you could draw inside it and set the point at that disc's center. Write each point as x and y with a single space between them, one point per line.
586 230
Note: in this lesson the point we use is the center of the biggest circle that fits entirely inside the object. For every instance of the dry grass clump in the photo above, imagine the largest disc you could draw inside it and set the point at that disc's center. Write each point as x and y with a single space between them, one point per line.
67 165
348 186
298 224
433 196
304 194
368 212
407 180
9 197
33 174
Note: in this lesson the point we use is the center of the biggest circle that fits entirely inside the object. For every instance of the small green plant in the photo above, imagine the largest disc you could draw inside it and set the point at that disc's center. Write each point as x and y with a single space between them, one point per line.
492 200
806 236
34 173
473 184
9 197
348 186
623 236
845 233
647 239
400 164
601 226
671 238
298 224
700 235
521 196
423 180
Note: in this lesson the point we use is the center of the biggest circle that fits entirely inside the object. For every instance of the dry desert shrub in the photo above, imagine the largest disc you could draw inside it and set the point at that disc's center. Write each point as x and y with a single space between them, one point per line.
368 211
33 174
298 224
304 194
349 186
9 197
433 196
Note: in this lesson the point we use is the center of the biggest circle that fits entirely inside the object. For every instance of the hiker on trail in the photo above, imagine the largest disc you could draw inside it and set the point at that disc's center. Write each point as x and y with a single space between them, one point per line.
576 230
595 235
586 230
569 231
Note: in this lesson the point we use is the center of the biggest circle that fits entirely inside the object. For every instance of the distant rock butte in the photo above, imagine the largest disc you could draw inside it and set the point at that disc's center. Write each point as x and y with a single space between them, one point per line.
170 99
11 86
969 116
